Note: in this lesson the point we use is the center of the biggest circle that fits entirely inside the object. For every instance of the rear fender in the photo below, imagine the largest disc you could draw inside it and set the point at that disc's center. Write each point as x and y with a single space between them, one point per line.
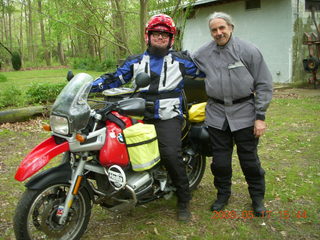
39 157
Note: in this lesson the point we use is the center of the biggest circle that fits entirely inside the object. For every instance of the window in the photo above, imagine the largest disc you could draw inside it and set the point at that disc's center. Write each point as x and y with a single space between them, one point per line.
313 4
253 4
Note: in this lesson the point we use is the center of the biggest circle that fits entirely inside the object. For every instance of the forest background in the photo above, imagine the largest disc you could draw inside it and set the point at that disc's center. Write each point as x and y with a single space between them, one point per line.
86 34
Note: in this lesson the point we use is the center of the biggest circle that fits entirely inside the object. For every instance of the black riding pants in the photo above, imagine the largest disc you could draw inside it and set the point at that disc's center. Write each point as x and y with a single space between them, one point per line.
169 139
222 143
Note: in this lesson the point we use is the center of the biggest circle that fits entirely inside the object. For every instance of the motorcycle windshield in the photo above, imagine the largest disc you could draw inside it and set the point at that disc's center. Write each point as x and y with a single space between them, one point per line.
72 102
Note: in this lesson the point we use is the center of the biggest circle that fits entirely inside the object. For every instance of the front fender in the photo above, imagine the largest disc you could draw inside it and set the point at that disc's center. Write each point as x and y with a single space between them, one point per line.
56 175
39 157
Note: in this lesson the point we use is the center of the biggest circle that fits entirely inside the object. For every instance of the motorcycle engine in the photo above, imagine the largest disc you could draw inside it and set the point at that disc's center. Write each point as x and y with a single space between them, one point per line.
140 182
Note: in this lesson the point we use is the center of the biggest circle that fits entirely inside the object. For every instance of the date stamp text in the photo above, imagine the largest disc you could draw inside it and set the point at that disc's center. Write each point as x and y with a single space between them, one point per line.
267 214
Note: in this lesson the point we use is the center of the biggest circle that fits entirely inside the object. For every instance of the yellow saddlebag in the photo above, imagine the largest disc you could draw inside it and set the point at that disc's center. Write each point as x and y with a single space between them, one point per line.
197 112
142 145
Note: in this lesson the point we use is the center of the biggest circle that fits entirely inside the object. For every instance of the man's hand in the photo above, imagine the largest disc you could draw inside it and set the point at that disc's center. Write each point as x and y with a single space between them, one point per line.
97 85
259 128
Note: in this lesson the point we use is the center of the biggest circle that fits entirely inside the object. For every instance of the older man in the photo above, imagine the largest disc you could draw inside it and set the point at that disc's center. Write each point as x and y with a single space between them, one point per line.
239 87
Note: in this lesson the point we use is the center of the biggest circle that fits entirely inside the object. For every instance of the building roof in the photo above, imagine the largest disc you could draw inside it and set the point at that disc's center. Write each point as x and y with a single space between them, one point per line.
200 2
203 3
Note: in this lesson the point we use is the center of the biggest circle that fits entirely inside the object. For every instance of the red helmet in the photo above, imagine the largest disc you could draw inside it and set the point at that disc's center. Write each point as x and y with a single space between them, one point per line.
160 23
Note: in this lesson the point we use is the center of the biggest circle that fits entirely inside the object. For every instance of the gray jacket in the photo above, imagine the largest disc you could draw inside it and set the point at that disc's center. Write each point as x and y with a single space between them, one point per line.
233 72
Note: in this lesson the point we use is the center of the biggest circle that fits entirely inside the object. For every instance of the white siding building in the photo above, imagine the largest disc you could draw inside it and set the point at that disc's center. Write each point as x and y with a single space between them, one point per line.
269 24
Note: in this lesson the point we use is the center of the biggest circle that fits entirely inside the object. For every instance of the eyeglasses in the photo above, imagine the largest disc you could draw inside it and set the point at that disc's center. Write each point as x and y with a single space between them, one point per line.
162 34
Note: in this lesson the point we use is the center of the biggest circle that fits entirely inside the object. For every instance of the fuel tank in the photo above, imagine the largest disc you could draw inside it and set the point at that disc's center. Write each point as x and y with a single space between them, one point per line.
114 151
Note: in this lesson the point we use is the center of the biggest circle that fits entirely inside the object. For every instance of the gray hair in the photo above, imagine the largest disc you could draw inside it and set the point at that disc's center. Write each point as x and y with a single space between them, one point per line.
223 16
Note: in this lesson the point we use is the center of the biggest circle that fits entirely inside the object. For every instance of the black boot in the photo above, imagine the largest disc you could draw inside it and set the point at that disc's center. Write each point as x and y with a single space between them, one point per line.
259 209
220 203
183 212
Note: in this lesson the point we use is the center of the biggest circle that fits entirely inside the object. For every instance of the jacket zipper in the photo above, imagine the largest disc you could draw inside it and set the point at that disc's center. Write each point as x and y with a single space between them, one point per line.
165 73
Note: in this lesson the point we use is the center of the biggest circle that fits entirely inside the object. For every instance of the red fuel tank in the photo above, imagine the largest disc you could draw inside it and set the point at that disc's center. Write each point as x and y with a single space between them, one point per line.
114 150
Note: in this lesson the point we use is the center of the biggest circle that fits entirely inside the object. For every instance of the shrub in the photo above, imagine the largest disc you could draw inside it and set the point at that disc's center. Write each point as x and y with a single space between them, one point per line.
44 93
3 78
84 63
93 64
106 65
11 97
16 61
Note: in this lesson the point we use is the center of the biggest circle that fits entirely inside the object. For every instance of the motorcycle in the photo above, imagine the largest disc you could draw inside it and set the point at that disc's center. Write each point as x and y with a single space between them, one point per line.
95 166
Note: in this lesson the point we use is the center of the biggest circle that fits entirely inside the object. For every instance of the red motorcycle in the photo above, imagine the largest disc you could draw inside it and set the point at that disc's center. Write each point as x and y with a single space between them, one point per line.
96 166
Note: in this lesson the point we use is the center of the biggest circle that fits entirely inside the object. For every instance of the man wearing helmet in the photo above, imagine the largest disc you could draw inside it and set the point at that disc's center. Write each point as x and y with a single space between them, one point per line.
167 69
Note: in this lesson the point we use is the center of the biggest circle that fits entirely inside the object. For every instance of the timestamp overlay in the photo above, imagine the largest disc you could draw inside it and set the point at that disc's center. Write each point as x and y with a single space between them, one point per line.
284 214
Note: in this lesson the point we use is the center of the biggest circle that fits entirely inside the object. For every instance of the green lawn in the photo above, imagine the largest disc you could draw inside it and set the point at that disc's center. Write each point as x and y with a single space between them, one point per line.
13 91
24 79
289 152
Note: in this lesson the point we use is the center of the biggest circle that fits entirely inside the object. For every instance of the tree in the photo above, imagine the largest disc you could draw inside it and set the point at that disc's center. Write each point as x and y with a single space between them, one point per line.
29 15
60 30
143 21
43 38
120 27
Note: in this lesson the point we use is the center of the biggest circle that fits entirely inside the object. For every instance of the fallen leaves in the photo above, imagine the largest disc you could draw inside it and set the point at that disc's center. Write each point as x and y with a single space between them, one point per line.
33 125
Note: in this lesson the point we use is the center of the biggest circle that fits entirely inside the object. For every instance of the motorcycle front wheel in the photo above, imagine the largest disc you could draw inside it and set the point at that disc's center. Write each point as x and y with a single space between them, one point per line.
36 214
195 168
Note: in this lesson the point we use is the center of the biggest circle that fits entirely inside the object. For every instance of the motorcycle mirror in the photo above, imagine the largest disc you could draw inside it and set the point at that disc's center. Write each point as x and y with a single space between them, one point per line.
69 75
142 80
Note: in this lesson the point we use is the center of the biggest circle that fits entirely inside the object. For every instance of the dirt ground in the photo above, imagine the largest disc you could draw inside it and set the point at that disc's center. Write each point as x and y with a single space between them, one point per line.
34 126
17 139
281 92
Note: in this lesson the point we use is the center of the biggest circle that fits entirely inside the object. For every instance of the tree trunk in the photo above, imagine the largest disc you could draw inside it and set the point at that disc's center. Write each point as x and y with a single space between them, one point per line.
59 36
21 35
120 30
61 55
91 46
27 52
10 24
5 26
2 45
182 15
43 38
23 114
30 33
2 23
143 21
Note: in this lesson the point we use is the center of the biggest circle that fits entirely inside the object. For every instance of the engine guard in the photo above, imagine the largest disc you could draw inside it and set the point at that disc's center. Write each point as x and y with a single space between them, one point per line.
39 157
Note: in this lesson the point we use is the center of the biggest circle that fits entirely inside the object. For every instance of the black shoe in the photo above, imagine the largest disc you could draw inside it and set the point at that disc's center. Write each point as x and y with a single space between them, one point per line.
259 209
183 212
219 204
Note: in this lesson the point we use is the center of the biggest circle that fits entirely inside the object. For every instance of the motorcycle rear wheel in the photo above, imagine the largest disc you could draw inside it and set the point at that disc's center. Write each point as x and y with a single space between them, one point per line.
195 170
35 216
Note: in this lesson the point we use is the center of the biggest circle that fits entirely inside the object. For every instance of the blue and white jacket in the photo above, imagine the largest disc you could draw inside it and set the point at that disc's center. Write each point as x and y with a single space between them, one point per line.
167 80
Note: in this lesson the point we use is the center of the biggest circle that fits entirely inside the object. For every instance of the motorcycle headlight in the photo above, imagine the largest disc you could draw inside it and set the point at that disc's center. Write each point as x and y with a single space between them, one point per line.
59 124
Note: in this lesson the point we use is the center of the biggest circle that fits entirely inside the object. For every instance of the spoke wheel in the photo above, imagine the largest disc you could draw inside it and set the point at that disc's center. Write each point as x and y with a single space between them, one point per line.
36 214
195 167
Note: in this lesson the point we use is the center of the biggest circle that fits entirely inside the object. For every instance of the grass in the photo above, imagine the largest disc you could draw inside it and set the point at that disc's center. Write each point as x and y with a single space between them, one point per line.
289 152
17 83
24 79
